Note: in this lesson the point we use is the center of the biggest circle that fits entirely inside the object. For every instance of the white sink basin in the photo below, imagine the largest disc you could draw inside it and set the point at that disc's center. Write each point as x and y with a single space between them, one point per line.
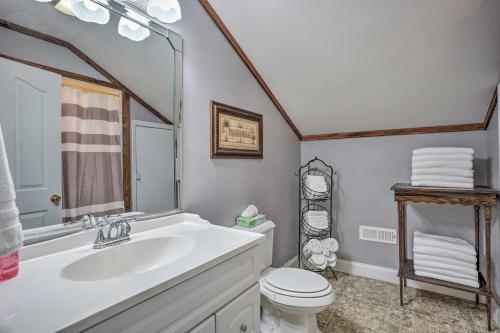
128 258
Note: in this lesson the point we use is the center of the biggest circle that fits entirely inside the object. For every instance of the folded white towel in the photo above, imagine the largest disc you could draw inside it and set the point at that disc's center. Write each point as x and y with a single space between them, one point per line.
250 211
424 259
443 171
473 276
420 234
451 254
443 164
443 151
433 183
316 213
11 234
317 222
467 249
460 269
466 282
330 244
442 178
447 158
316 183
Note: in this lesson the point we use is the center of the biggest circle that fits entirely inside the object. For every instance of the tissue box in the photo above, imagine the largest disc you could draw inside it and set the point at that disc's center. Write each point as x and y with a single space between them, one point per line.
250 222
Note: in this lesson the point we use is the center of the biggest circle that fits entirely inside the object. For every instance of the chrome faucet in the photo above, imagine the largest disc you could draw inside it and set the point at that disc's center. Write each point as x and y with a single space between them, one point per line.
118 231
88 222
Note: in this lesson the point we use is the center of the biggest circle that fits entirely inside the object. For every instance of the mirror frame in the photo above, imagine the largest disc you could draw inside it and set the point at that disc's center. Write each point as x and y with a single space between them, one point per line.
32 236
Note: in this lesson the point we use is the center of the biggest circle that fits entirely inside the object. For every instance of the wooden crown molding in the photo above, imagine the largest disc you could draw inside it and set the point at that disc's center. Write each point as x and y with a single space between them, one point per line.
396 131
232 41
54 40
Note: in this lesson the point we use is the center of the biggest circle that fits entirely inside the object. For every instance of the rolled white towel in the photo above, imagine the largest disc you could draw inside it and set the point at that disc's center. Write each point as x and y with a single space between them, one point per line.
331 258
440 252
443 171
446 158
318 260
460 248
250 211
443 151
330 244
312 247
433 183
443 164
442 261
466 282
459 269
442 178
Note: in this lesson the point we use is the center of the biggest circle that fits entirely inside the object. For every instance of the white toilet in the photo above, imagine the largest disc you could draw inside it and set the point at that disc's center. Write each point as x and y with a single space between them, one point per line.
290 297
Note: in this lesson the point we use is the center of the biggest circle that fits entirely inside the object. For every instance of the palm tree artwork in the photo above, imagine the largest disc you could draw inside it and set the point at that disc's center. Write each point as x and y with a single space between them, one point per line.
225 125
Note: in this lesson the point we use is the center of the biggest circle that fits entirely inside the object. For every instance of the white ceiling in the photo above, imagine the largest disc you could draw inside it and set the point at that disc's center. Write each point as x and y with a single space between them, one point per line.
356 65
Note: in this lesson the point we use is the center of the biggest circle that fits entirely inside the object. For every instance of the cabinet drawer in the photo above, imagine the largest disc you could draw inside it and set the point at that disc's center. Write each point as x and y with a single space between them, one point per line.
208 326
242 315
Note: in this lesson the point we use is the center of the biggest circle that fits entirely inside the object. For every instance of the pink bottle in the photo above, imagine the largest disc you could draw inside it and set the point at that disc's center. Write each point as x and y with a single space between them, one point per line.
9 266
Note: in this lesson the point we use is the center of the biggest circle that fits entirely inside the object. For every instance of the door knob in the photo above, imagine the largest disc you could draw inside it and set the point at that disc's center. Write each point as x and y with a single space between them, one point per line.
55 199
243 328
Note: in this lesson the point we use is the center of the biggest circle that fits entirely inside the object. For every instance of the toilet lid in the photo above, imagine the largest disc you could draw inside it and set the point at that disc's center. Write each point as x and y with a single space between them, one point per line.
297 280
265 286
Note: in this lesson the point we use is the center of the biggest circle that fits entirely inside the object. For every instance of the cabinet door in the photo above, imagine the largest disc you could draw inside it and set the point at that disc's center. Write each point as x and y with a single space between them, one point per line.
207 326
242 315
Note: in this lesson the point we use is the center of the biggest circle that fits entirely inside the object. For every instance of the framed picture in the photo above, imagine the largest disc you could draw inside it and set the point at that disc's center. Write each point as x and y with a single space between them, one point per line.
235 133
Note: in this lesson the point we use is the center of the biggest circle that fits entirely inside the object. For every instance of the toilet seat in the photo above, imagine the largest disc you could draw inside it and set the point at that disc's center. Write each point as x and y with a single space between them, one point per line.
297 288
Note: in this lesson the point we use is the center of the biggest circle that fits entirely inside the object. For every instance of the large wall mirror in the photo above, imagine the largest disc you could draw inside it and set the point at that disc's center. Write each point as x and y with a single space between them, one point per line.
89 109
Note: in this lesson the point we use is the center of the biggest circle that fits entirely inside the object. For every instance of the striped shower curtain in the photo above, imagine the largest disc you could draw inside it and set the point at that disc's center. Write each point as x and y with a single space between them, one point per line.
91 154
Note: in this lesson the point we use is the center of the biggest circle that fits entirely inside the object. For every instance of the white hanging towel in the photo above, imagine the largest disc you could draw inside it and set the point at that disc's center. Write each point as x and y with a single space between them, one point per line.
11 233
443 151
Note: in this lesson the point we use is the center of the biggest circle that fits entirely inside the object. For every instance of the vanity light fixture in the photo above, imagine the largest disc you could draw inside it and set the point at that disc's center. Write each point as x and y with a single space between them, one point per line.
132 30
89 11
167 11
64 6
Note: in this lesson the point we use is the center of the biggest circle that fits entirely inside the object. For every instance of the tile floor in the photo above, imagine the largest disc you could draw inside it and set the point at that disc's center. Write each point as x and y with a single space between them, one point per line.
366 305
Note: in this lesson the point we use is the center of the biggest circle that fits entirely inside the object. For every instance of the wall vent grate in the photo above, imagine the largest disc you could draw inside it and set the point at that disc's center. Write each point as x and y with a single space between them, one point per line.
380 235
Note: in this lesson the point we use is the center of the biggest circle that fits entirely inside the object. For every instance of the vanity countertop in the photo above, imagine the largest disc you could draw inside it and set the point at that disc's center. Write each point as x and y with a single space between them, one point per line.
41 299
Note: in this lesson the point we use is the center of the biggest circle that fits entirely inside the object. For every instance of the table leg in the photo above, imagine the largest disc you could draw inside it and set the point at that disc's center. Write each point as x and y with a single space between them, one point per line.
476 243
402 248
487 232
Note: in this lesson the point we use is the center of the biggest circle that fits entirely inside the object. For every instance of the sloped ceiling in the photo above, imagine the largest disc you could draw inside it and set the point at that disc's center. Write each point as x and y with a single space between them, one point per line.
357 65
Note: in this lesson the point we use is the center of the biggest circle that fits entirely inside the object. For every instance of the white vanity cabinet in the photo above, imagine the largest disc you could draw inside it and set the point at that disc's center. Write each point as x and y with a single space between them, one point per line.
207 326
242 314
222 299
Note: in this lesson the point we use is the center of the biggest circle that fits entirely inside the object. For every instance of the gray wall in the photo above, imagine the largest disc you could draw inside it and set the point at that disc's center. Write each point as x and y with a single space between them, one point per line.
219 189
368 167
494 181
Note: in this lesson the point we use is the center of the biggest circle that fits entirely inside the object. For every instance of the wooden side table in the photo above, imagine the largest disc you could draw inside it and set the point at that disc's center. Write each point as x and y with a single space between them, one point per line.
478 197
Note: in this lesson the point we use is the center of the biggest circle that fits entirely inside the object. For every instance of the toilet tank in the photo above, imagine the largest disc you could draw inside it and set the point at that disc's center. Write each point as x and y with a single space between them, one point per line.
265 255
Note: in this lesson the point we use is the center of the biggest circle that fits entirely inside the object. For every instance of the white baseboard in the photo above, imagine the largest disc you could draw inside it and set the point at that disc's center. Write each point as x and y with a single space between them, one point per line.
391 275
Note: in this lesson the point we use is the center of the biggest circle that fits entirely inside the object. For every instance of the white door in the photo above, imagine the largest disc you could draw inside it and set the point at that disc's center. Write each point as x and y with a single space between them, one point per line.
30 116
153 171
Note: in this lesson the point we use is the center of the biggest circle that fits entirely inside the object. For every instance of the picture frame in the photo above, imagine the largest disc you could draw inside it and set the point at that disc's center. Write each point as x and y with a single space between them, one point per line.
235 132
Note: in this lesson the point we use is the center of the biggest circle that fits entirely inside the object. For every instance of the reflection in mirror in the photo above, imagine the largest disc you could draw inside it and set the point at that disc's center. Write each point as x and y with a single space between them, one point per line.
88 108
